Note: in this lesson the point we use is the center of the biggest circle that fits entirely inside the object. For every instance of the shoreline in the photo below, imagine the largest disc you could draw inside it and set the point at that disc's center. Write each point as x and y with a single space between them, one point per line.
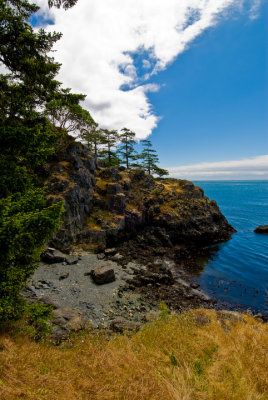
144 279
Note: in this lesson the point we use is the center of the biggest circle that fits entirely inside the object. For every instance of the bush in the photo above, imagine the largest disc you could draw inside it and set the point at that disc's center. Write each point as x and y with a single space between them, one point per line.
26 223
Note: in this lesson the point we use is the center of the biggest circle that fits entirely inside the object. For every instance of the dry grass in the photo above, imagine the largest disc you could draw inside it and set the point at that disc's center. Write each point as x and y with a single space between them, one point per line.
174 358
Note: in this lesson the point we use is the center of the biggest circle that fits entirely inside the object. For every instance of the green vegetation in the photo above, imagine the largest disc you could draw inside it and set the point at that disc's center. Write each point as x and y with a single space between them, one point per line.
27 139
126 149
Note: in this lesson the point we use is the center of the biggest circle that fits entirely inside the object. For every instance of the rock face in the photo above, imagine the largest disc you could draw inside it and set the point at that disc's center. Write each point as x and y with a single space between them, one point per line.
72 179
105 206
262 229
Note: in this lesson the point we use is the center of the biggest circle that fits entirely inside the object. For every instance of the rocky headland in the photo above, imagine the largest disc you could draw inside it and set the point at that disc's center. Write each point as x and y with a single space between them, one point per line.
144 233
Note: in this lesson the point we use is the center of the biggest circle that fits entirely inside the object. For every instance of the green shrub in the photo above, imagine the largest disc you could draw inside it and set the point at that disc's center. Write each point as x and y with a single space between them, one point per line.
26 223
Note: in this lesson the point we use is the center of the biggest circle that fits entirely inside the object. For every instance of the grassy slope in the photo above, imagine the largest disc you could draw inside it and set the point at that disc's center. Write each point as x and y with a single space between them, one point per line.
195 355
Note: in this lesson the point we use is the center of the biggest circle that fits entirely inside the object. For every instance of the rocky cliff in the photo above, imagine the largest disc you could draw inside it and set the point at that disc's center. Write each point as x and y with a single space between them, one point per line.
105 206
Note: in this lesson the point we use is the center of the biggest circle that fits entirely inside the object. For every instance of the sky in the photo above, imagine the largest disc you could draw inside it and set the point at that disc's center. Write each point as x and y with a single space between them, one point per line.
191 75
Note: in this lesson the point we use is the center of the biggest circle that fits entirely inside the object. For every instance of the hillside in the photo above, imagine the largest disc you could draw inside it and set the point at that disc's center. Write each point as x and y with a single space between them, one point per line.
193 356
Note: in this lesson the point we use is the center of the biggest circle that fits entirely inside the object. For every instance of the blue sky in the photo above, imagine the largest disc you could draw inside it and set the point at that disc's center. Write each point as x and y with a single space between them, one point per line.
191 75
215 97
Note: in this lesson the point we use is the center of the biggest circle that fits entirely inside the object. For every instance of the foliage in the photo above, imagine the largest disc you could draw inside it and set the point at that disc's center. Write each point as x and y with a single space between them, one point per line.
65 112
62 3
27 139
149 159
163 308
31 72
39 316
26 223
110 140
126 148
93 138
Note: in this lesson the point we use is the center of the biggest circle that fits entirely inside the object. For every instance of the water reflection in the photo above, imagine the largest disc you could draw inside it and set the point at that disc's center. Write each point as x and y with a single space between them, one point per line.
203 260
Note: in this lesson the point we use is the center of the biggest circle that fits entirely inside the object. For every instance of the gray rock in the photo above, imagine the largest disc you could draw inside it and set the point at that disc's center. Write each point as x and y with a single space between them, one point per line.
121 325
101 256
194 285
71 260
66 321
53 256
103 274
117 257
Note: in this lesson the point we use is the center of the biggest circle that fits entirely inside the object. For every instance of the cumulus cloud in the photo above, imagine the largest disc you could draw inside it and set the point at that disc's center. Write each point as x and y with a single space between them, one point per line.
100 39
247 168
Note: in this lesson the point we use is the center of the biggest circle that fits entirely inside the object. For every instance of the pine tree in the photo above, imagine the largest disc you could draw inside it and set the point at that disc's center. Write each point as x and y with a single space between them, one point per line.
93 138
148 156
149 159
110 139
126 147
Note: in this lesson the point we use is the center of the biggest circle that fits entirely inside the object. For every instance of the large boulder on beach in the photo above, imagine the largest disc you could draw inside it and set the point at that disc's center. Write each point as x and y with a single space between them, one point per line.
103 274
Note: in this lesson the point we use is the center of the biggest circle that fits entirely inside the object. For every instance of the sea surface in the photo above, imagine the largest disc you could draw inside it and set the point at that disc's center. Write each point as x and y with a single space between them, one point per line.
236 272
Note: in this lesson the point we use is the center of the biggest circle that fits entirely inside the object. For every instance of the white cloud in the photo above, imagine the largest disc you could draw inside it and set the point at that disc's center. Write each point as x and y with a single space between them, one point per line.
100 36
247 168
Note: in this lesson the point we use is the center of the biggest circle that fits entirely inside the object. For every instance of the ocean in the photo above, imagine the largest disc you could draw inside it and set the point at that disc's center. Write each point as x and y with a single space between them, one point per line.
236 272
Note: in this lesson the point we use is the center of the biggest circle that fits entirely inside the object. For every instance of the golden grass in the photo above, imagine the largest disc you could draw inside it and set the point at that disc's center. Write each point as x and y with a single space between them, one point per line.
174 357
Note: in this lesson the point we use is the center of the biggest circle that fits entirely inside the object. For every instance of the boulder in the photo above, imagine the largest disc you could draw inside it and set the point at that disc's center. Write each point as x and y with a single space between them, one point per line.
121 325
103 274
262 229
66 321
71 260
53 256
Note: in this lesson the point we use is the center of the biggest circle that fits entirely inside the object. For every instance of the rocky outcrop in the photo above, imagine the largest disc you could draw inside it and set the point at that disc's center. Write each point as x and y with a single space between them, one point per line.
72 179
262 229
105 206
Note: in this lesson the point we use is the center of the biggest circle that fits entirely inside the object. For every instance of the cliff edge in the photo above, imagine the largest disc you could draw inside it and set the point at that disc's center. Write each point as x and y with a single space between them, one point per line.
105 206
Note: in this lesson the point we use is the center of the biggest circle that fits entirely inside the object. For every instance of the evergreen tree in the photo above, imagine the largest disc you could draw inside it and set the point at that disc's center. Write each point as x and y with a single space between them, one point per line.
126 148
93 138
27 139
149 159
110 139
148 156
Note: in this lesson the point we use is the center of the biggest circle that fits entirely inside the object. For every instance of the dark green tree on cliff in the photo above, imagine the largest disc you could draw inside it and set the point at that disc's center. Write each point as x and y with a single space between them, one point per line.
94 138
149 159
110 138
27 139
126 149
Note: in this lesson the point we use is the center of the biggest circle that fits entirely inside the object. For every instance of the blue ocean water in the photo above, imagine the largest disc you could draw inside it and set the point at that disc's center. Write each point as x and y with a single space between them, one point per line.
236 272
